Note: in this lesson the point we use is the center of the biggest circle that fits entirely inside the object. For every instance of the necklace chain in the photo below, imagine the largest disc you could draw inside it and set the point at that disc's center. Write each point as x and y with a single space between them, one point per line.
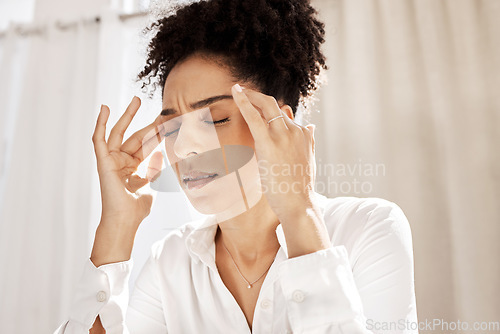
238 269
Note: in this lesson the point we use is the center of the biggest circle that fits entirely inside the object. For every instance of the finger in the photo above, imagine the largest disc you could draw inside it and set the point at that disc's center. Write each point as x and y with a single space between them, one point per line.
116 134
308 129
135 141
131 163
148 146
290 123
154 167
312 128
251 115
268 105
135 182
99 136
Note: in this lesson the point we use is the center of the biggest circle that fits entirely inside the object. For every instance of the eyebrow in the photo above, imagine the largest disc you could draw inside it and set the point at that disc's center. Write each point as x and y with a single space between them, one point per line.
199 104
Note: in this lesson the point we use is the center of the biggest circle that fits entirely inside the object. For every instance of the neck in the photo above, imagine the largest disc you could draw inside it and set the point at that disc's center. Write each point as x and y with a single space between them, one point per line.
251 235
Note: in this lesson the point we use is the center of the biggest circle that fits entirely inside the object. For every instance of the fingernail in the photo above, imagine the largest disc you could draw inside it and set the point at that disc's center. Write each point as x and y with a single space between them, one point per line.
238 88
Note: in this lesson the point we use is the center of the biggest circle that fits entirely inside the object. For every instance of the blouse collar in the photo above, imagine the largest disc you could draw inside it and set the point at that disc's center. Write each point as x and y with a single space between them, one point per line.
201 245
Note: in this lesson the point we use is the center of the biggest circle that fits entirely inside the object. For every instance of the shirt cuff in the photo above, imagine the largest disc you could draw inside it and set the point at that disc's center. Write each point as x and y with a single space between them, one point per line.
320 291
102 291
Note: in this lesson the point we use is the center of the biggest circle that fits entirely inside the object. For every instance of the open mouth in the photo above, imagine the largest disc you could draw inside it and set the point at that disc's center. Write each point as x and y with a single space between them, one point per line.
198 181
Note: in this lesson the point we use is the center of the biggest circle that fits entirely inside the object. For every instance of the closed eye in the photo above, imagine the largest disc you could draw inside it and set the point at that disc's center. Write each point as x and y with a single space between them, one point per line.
224 120
221 121
170 133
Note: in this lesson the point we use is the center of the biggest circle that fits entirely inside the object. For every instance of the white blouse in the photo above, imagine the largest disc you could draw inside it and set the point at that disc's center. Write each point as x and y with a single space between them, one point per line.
362 284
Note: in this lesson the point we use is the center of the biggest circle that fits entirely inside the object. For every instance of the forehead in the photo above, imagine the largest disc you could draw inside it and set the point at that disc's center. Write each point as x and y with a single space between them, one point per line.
196 78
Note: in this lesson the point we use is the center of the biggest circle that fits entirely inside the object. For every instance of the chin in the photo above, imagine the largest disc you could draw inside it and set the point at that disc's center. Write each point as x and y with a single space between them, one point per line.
224 197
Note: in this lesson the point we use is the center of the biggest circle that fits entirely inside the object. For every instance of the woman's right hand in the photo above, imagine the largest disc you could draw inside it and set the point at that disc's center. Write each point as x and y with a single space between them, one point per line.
117 163
123 207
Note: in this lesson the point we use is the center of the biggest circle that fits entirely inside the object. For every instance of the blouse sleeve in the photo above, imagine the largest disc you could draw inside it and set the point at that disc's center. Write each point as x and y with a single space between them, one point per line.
368 291
100 291
104 291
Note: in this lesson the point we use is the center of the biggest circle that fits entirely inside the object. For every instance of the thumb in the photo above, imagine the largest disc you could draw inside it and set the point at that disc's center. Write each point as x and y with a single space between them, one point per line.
154 167
312 128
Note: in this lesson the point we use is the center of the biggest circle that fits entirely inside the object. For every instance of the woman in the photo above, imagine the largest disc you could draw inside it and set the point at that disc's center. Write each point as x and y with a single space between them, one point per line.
273 256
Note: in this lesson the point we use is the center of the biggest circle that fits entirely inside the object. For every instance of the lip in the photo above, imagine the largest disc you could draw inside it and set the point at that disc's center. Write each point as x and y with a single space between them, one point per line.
197 179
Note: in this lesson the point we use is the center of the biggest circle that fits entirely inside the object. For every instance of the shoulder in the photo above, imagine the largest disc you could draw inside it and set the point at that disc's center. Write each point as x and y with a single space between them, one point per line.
358 223
359 210
362 209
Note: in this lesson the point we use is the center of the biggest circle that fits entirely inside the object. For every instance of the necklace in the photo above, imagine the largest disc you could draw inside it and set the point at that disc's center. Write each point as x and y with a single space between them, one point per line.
238 269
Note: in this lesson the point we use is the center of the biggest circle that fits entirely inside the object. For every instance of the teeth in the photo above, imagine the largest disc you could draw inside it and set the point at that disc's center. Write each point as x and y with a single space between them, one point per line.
198 178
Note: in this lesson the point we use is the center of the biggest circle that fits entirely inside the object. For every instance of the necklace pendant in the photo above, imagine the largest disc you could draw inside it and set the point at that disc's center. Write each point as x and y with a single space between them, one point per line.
249 286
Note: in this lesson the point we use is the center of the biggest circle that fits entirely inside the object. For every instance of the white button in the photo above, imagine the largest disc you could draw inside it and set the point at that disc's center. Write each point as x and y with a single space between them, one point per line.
298 296
266 303
101 296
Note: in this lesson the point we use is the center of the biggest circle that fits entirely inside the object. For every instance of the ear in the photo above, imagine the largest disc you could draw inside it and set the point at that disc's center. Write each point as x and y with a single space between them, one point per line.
287 110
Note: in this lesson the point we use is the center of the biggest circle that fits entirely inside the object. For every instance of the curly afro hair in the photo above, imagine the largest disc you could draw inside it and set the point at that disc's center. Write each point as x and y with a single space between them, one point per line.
274 44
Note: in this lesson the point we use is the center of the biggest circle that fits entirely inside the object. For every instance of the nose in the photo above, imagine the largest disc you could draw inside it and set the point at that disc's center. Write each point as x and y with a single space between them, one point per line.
190 139
186 143
196 134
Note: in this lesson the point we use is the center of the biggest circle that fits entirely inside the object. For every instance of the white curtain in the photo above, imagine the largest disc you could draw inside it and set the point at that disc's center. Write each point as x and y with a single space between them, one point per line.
53 82
47 111
414 85
410 113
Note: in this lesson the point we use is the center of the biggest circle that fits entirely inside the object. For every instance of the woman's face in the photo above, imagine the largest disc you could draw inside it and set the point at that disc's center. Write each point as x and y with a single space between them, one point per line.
200 118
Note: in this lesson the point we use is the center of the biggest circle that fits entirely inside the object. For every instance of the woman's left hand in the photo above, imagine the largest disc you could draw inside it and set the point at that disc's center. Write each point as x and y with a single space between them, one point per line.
285 153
